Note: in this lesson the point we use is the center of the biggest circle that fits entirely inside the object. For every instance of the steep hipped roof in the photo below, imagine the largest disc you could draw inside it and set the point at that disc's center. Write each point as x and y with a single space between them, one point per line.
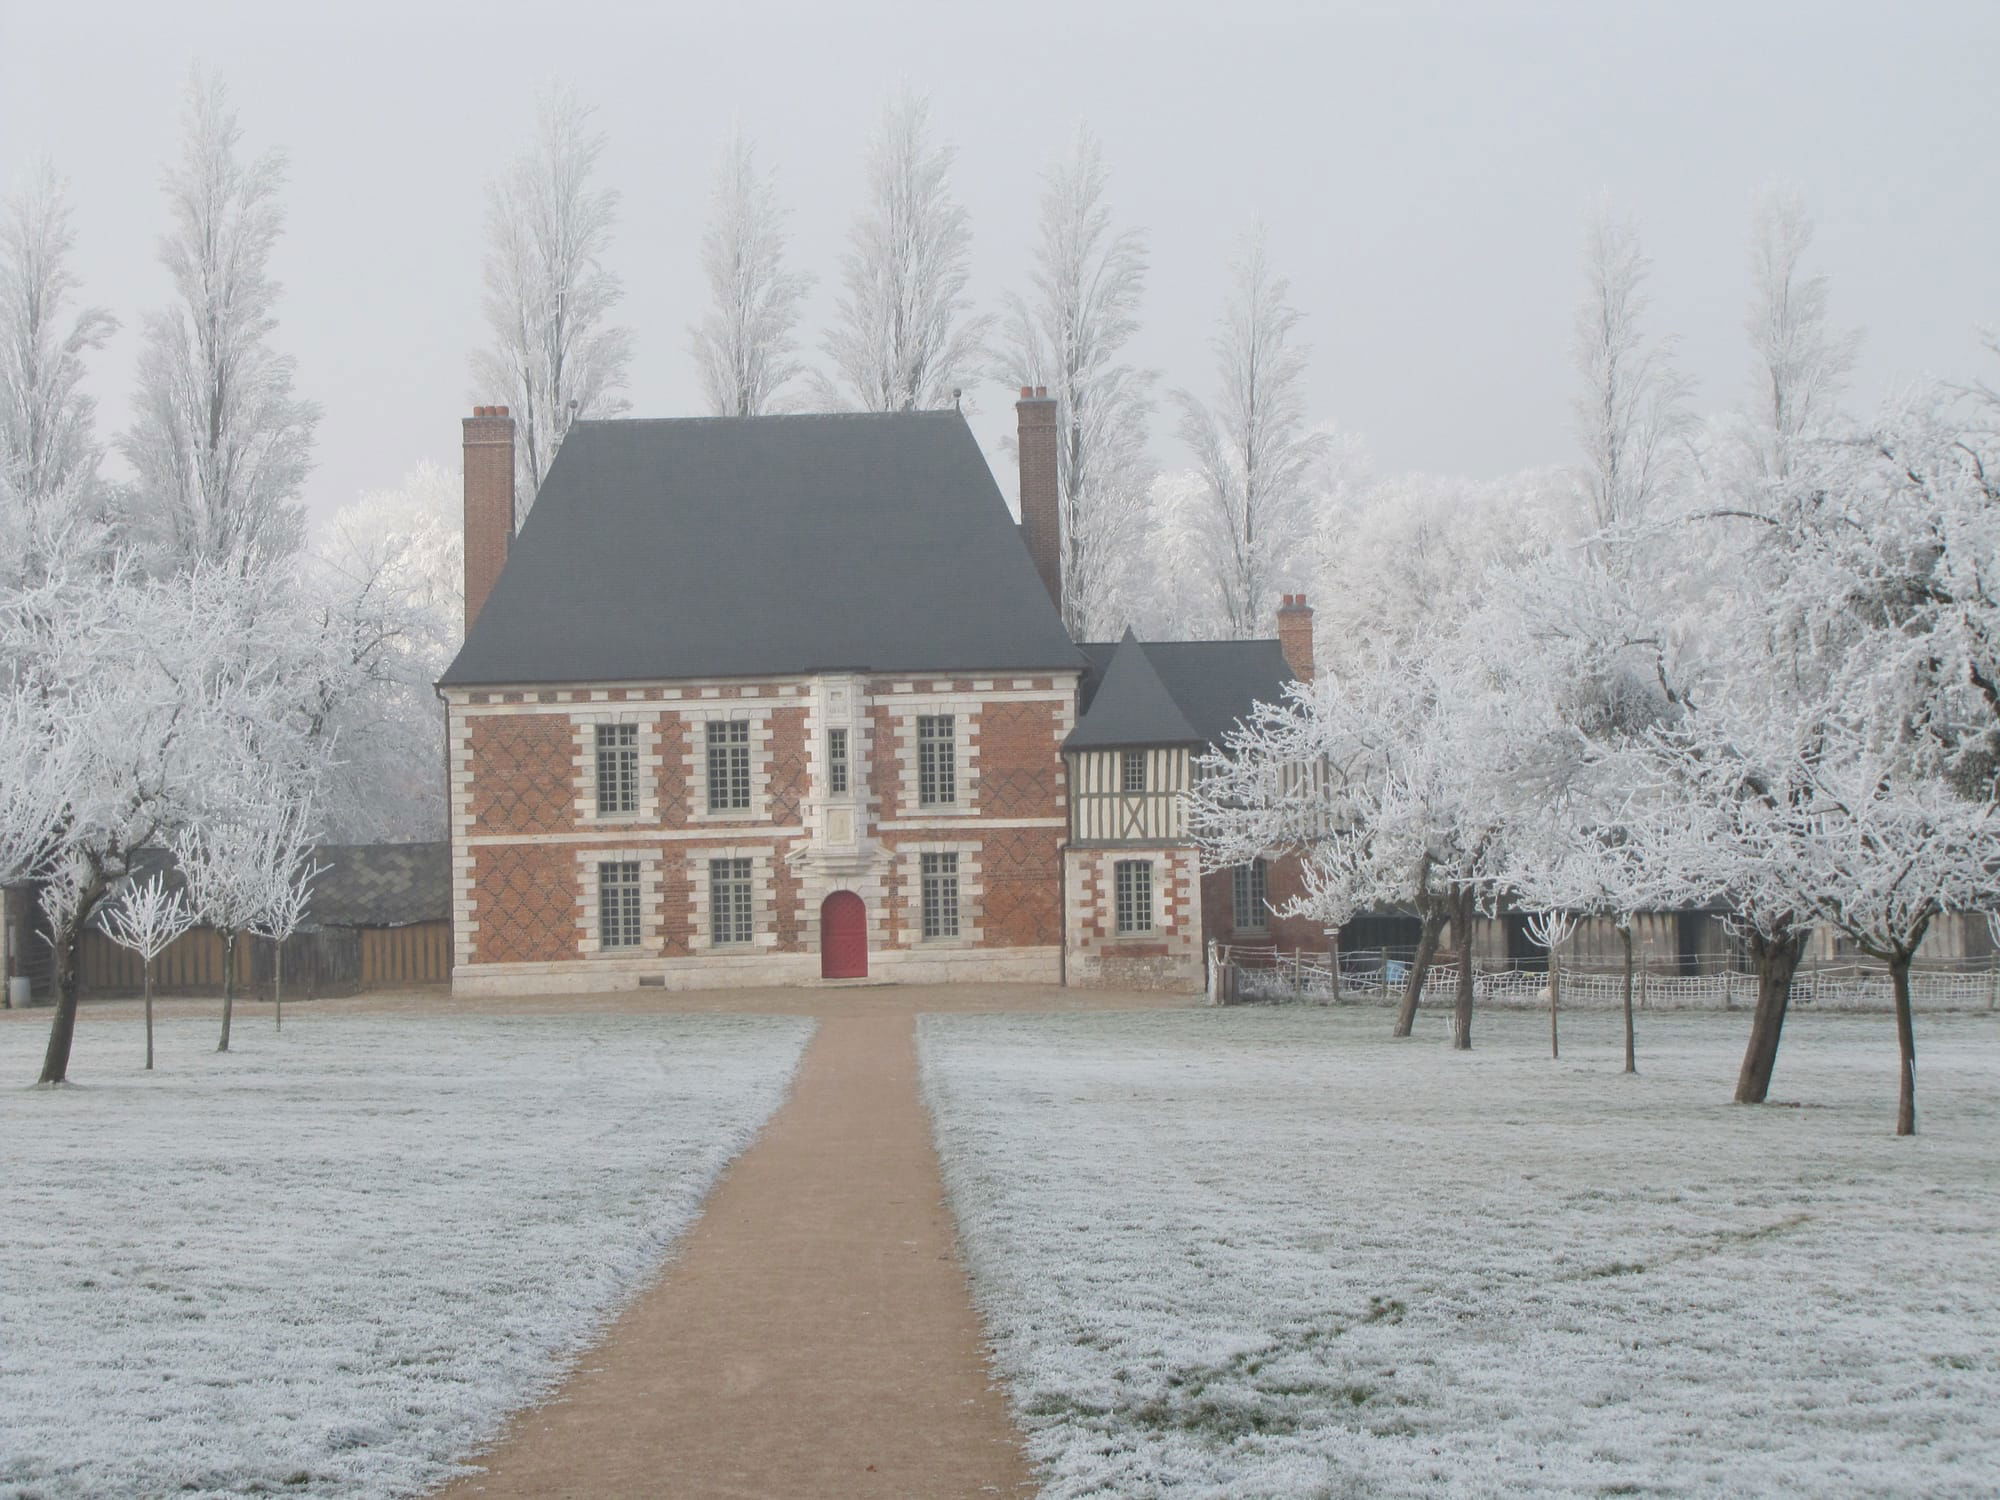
1131 706
749 546
1211 686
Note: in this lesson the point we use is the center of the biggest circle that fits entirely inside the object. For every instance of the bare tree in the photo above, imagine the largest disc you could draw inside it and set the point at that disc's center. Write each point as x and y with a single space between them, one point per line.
1799 363
1066 336
744 344
1631 415
1253 451
289 875
554 358
904 337
220 444
147 918
48 443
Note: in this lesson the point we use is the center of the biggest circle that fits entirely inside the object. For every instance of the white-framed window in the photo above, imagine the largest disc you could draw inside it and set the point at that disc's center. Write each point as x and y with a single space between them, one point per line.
1131 771
617 769
836 761
937 760
1132 882
730 909
939 874
618 904
728 765
1248 896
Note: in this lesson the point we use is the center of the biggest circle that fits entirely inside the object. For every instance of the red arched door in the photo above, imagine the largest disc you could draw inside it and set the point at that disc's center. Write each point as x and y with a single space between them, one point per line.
843 937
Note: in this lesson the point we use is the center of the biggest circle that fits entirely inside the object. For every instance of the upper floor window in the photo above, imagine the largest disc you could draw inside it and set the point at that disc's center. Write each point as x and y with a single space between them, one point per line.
728 765
729 909
1133 884
618 904
836 761
617 768
1248 892
940 895
1132 770
937 760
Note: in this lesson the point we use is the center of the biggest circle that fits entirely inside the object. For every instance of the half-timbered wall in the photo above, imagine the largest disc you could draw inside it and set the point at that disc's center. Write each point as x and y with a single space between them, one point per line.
1103 812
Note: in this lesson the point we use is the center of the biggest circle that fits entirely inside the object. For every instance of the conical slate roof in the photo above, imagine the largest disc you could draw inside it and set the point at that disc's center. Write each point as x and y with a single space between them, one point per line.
1136 694
1132 706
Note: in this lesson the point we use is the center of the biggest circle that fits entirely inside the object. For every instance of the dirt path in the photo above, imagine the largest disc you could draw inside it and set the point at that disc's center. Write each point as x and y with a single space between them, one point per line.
815 1337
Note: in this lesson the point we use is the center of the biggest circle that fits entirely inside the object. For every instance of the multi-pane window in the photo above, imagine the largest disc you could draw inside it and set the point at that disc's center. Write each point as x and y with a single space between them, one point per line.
1132 770
617 768
937 760
729 901
1251 913
728 765
618 903
940 884
836 760
1133 881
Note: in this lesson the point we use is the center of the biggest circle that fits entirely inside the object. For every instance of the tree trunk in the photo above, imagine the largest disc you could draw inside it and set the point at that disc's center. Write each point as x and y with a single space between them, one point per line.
62 1030
1777 960
1461 1016
1333 953
228 985
1434 914
278 979
149 1015
1631 1052
1906 1043
1555 1003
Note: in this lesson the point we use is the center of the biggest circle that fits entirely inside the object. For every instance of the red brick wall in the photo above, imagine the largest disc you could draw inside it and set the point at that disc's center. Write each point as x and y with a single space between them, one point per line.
523 776
1281 884
524 898
1020 768
1022 872
789 779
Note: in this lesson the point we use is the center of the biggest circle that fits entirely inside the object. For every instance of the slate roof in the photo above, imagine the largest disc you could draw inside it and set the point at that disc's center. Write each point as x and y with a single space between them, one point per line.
361 885
1205 688
750 546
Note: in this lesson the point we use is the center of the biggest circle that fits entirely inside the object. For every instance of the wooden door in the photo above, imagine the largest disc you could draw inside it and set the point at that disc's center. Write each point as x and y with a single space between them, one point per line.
843 937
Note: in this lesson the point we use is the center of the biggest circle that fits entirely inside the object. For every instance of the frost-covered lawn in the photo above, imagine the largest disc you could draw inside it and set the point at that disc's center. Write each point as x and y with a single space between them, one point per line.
331 1262
1272 1253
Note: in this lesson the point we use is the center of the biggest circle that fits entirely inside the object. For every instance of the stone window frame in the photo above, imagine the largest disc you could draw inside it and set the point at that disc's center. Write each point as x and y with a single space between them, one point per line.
763 898
971 892
965 756
694 764
583 731
948 904
648 861
1119 867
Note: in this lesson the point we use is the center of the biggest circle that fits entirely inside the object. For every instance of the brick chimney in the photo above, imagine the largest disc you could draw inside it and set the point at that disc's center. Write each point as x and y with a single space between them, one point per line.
1295 635
1041 510
489 503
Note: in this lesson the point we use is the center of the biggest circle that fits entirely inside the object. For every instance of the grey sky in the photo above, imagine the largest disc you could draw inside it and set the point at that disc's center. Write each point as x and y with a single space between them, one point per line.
1422 170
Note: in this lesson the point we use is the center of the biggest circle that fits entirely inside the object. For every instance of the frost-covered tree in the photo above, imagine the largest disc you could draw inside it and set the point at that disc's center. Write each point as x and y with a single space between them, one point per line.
49 449
1631 414
904 337
382 583
148 917
219 442
1254 453
289 875
555 356
1067 335
1799 361
744 345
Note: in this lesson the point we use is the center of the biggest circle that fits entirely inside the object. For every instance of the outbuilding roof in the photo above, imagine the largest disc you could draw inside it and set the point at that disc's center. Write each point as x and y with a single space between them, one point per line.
1204 688
755 546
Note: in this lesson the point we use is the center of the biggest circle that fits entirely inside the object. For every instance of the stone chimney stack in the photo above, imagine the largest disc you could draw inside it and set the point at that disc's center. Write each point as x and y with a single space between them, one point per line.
489 503
1041 509
1295 635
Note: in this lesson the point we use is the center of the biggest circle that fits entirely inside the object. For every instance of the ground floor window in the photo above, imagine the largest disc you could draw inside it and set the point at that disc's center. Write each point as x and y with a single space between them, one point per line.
618 904
1251 914
1134 885
729 911
940 895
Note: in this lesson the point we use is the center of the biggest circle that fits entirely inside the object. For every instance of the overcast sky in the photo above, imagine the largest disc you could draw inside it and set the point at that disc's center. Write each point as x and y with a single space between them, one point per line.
1422 169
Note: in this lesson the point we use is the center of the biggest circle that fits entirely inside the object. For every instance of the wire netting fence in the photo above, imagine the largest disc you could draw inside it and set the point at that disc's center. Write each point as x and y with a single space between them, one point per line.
1246 974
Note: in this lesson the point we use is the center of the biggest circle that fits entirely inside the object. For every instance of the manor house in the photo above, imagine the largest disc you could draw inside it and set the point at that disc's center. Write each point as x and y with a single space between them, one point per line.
789 699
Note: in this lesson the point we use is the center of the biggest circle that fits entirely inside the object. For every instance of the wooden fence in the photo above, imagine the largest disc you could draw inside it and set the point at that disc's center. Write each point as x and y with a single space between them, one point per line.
331 961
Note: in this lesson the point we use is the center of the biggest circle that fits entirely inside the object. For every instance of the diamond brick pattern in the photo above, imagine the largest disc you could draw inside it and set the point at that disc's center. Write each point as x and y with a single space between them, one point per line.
1020 867
789 769
1020 767
672 732
522 777
526 904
